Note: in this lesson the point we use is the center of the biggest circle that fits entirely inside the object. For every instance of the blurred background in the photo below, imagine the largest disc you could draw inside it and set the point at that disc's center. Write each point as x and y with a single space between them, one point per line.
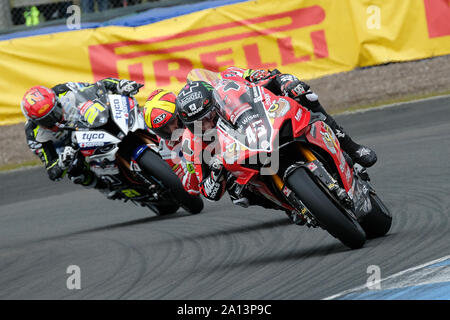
354 53
19 15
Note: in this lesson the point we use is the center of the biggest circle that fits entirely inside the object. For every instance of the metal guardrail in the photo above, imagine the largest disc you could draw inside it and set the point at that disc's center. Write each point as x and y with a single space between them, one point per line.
26 3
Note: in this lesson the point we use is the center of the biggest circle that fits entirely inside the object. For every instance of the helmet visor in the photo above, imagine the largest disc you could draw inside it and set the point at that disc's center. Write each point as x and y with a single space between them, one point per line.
169 130
202 125
50 119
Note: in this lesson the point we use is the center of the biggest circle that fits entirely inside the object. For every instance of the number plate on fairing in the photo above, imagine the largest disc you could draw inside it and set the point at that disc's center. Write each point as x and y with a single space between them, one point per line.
92 139
119 110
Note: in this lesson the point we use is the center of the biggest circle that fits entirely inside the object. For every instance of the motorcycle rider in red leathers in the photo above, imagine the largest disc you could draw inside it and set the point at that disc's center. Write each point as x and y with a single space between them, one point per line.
161 118
43 110
195 102
289 85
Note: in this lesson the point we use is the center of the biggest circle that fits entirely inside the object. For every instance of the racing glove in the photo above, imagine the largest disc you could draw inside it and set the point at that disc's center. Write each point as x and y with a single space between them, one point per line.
236 191
214 185
54 171
67 157
292 87
128 87
256 75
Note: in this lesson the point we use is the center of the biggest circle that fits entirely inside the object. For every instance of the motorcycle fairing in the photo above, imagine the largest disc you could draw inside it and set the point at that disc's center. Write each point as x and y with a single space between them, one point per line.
89 141
243 109
104 163
91 145
321 135
273 109
264 190
119 106
83 109
136 118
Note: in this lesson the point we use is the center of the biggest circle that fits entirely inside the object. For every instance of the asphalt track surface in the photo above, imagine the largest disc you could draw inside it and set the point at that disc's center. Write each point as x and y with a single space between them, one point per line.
226 252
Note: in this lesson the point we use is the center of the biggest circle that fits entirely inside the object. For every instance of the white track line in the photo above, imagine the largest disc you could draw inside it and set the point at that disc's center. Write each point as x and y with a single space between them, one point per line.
364 287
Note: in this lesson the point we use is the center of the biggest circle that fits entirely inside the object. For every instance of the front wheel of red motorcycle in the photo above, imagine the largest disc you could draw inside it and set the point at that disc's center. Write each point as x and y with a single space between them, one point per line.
329 216
378 222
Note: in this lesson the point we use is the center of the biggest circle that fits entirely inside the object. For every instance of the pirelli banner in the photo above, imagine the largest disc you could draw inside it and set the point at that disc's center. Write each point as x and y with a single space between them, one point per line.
309 38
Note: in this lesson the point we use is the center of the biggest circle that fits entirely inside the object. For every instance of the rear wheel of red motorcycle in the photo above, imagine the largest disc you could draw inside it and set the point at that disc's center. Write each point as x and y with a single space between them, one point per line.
329 216
152 164
378 222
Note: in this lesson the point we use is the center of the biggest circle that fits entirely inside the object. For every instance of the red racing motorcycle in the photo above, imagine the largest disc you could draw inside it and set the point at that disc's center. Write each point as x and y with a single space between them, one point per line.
279 150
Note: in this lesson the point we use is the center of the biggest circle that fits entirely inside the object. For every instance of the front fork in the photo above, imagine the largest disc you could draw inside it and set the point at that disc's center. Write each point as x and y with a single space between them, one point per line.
309 156
301 215
316 168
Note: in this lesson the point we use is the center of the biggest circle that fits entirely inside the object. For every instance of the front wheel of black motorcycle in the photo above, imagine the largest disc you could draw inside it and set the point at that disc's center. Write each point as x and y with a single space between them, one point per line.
378 222
329 216
152 165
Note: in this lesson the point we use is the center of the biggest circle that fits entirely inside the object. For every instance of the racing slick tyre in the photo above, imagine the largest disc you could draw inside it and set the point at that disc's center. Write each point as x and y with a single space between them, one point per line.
329 216
152 164
378 222
164 209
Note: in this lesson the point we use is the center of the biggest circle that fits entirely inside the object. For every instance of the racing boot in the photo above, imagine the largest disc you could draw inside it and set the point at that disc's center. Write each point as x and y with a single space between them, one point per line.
360 154
235 191
242 202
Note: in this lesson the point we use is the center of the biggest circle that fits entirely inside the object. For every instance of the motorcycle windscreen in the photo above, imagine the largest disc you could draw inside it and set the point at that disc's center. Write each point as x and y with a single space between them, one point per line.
242 108
204 75
84 109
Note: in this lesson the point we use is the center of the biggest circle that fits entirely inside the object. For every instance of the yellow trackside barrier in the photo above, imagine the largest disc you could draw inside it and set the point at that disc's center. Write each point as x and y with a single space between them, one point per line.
308 38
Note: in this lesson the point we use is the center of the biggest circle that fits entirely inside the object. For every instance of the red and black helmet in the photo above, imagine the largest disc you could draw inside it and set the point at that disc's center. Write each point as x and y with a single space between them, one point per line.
40 105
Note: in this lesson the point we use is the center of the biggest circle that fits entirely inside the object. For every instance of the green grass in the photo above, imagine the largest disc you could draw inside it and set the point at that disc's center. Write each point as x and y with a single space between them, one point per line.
13 166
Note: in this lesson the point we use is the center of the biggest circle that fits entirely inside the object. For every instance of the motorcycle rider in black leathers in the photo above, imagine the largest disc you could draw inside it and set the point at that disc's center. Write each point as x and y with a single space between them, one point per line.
43 110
